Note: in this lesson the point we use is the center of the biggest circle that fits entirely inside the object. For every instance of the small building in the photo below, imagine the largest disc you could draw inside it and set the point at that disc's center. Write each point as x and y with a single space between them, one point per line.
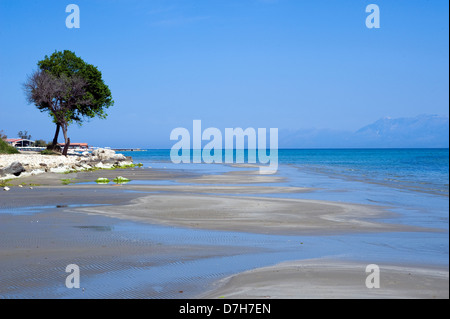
19 142
75 146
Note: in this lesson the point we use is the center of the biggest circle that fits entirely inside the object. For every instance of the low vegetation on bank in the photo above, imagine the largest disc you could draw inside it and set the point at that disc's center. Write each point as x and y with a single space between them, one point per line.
7 149
95 168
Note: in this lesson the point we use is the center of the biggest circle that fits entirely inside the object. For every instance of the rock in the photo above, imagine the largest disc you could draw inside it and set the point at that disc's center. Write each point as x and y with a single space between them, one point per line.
101 165
119 157
103 153
106 155
121 180
61 169
39 171
126 163
43 165
15 169
102 180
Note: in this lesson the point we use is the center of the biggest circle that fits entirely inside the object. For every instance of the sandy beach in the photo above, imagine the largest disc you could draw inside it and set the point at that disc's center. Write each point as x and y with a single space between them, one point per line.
332 279
110 230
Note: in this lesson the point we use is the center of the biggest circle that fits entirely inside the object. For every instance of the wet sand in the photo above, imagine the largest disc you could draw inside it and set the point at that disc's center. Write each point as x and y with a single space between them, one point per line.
252 214
37 243
36 246
333 279
225 206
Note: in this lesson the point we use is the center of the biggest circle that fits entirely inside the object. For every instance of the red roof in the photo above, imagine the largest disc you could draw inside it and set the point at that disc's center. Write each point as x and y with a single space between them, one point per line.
74 144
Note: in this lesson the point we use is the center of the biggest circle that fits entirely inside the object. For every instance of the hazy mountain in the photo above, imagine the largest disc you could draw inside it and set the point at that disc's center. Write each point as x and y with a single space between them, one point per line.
421 131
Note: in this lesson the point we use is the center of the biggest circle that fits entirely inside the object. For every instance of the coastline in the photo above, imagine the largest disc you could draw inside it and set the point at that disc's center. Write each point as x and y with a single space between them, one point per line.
233 202
25 164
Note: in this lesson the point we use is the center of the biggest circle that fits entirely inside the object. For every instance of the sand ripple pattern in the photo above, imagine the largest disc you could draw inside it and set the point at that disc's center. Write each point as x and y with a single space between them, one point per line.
121 259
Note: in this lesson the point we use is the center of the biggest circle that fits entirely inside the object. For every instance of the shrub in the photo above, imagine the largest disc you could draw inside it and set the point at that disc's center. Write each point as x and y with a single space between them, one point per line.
7 149
49 152
40 143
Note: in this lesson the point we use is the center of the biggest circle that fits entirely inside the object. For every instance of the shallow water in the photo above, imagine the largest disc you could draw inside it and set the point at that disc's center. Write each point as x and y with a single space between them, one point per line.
412 183
189 260
155 261
421 170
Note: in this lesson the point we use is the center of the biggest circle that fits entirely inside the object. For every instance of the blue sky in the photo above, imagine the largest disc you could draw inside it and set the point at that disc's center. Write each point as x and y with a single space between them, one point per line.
288 64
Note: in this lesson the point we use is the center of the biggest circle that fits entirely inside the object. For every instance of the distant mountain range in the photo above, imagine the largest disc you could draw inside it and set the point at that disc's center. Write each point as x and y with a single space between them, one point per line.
420 131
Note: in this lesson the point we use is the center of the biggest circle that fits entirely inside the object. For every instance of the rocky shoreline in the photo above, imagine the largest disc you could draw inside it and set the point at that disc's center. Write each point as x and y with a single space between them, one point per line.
18 165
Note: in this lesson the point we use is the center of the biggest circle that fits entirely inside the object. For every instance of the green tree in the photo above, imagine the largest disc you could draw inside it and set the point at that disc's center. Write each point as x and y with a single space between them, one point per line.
40 143
60 96
95 100
24 135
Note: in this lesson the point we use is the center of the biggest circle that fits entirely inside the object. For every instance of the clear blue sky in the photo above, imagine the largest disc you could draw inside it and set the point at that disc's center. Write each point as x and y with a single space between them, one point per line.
290 64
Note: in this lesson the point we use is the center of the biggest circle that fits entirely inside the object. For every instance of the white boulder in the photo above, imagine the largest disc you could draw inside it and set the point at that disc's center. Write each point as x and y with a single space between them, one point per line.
59 169
101 165
103 154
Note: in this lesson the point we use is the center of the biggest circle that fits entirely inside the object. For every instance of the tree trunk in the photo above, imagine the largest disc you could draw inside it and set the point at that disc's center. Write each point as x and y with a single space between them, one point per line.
54 144
66 147
66 140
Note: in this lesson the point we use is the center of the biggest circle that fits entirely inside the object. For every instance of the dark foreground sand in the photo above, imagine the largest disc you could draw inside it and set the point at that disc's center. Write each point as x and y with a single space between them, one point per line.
33 244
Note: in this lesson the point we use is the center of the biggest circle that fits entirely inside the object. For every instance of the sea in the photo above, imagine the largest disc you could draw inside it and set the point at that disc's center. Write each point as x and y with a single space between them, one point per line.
420 170
413 184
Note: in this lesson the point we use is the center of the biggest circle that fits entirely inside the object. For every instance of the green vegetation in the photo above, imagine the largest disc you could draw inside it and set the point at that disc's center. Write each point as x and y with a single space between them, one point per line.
34 184
49 152
7 149
120 180
102 180
4 183
70 90
66 181
24 135
93 169
40 143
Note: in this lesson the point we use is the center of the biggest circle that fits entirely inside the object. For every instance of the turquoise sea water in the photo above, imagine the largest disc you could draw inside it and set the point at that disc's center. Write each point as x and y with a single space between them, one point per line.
411 183
422 170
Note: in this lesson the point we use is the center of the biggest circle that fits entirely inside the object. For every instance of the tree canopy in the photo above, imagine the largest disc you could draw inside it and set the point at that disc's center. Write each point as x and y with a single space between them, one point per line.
70 89
66 63
24 135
